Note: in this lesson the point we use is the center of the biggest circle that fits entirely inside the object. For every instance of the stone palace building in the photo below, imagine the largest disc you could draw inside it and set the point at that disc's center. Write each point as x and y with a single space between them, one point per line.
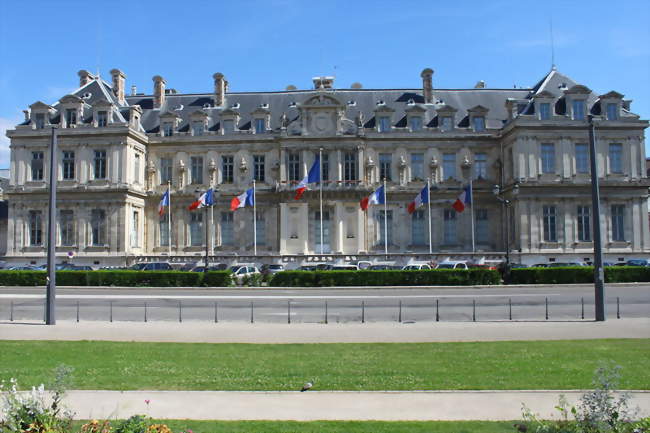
118 152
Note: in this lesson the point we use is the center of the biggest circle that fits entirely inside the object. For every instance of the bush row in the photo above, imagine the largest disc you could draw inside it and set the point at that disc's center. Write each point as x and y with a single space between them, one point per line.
119 278
578 274
438 277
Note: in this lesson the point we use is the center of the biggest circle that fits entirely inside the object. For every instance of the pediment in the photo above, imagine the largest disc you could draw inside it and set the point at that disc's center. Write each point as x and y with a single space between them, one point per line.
578 89
199 114
38 105
322 100
415 108
478 109
71 99
261 110
612 95
384 109
544 94
169 114
446 109
102 103
229 112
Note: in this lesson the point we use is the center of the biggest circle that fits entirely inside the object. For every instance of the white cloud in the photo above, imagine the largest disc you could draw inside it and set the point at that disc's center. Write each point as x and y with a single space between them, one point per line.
5 123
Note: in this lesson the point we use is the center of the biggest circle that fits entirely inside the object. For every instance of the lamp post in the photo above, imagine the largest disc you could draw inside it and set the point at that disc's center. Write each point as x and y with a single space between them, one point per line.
599 273
500 195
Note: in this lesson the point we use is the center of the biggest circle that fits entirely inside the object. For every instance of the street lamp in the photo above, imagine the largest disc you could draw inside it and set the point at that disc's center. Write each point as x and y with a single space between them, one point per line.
500 195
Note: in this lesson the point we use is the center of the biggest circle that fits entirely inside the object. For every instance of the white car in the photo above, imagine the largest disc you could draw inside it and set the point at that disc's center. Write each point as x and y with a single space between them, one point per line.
452 265
239 272
416 267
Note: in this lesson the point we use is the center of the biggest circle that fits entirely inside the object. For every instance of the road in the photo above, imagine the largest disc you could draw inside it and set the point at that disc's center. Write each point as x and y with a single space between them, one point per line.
330 305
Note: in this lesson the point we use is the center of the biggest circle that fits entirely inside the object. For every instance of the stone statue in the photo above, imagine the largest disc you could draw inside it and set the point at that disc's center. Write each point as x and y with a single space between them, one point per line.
284 121
359 119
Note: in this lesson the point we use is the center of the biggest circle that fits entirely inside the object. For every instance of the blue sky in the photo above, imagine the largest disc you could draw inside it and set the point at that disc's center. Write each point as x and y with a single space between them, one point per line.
266 45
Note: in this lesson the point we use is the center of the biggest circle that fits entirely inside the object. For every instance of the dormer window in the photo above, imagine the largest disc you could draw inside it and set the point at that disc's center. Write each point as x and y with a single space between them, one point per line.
198 127
578 106
260 126
612 111
445 123
102 119
39 120
228 126
168 129
415 123
545 111
70 117
384 124
479 123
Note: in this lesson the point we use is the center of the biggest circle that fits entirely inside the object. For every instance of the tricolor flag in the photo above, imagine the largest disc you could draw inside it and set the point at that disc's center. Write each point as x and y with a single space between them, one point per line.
465 198
247 198
420 199
312 177
377 197
206 199
164 202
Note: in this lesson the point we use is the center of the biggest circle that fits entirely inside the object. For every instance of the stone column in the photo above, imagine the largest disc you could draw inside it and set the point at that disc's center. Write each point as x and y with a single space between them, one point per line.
339 166
360 164
283 166
337 228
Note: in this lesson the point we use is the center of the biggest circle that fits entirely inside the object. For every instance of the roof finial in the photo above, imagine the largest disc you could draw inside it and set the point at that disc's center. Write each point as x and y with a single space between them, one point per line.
553 68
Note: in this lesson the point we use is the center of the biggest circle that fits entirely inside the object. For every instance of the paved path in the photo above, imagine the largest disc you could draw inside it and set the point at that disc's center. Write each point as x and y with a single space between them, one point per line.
309 406
206 332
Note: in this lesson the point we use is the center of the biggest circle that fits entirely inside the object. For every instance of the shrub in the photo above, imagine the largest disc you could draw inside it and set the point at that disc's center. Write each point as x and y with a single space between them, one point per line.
22 278
578 274
443 277
134 424
217 279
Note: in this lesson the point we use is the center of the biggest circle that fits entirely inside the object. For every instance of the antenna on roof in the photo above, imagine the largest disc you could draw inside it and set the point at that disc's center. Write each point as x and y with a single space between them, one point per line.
552 45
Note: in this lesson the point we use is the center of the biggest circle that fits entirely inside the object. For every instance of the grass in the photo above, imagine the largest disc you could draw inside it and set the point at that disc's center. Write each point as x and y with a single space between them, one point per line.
368 366
335 426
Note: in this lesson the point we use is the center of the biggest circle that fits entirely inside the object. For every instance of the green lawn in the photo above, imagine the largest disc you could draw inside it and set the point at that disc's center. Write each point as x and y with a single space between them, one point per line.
391 366
336 426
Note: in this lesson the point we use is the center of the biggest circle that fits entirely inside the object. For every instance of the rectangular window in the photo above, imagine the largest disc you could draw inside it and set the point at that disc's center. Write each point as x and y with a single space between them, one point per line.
612 111
584 221
544 111
258 168
35 228
166 167
417 166
97 227
227 169
582 158
37 165
445 123
135 224
325 166
260 234
293 166
102 119
70 117
480 166
549 216
384 124
415 123
136 168
385 161
197 234
228 126
164 230
548 158
419 228
198 126
260 126
68 165
481 227
616 157
66 228
350 166
382 228
618 222
227 233
448 165
100 164
168 129
196 169
479 124
449 233
39 120
578 109
326 232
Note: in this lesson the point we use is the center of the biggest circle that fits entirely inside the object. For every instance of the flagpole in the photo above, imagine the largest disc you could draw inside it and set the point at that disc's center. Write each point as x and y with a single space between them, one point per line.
385 222
169 217
471 208
429 209
254 220
320 183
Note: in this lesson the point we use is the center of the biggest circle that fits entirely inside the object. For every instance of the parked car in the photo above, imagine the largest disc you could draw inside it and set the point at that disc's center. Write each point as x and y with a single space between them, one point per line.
383 267
483 266
307 268
155 266
344 268
416 267
564 264
364 264
271 269
517 266
201 268
452 265
188 266
22 268
239 272
637 262
540 265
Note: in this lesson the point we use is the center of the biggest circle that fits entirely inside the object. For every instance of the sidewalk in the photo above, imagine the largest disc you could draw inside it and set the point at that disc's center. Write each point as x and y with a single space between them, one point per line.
233 332
313 405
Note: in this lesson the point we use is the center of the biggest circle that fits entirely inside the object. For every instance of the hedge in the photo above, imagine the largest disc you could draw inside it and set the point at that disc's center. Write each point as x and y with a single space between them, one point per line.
438 277
119 278
578 274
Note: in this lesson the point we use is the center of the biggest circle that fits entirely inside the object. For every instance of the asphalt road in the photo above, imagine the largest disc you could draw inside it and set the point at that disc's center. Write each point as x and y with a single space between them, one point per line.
334 305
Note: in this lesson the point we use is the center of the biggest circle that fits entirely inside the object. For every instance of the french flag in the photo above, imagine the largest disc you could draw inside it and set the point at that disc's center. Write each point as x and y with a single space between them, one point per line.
164 202
206 199
377 197
312 177
244 199
420 199
465 198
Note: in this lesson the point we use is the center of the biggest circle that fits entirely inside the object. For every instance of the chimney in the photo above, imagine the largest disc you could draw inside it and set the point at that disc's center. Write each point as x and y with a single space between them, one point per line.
427 85
158 91
480 85
323 82
85 77
118 85
220 88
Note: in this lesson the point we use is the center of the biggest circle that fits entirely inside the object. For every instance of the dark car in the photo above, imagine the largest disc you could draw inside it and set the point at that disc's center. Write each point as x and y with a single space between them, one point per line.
271 269
637 262
540 265
156 266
